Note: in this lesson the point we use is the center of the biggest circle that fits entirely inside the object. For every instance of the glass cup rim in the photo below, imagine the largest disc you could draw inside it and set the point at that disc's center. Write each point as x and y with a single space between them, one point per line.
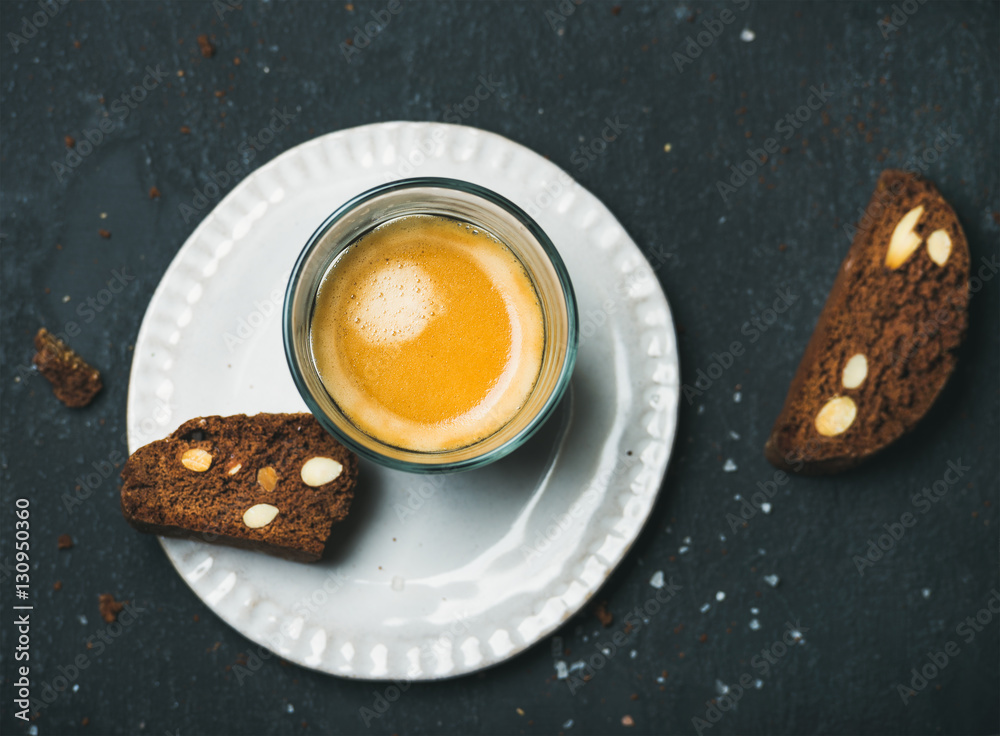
551 254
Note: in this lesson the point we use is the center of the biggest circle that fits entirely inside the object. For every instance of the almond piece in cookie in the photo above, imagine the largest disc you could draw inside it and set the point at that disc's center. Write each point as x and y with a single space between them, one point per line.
886 341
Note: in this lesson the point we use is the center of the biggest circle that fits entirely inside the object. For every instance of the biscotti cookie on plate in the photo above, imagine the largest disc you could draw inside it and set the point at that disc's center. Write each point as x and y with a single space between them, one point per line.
270 482
886 340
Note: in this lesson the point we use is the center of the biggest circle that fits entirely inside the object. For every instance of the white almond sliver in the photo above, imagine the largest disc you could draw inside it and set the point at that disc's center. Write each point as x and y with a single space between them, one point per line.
856 371
939 247
260 515
318 471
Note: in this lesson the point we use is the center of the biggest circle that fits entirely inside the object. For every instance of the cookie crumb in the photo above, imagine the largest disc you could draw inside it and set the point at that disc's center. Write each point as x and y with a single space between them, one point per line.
57 585
70 141
603 615
109 607
206 46
154 193
74 382
628 721
65 541
106 234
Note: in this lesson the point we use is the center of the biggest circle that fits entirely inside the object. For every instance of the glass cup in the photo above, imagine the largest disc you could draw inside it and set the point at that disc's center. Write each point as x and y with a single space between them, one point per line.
484 209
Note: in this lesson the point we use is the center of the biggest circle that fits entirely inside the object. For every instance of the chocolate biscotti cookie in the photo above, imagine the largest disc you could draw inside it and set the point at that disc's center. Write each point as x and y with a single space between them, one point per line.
887 338
270 482
74 382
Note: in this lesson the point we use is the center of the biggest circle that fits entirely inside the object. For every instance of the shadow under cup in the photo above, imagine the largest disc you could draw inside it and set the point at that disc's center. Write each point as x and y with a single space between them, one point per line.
461 201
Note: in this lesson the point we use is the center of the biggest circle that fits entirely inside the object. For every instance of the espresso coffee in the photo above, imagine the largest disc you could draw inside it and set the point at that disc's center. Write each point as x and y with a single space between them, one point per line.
428 333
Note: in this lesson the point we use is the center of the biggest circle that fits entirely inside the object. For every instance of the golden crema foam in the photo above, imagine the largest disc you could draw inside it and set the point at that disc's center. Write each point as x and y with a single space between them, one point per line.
428 333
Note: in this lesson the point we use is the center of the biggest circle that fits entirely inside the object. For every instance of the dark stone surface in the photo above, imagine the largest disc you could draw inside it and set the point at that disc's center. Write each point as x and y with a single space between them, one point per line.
893 93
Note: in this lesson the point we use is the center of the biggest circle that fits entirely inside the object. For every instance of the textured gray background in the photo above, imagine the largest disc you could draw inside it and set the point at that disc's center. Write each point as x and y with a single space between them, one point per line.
893 94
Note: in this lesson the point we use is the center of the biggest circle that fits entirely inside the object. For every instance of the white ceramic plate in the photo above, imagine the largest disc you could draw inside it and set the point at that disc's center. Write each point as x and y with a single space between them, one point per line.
430 576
